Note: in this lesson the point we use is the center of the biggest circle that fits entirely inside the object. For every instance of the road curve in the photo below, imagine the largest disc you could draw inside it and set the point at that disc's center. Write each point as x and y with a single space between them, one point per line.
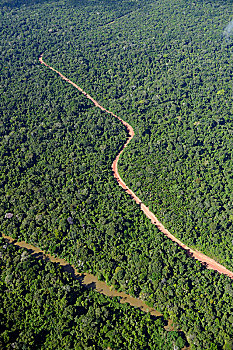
204 259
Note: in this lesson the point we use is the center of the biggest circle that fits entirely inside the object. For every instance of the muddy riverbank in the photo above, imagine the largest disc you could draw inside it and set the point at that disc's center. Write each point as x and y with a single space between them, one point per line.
88 280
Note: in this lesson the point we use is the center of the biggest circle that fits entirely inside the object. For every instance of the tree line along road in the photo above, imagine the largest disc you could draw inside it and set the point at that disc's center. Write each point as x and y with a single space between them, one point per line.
204 259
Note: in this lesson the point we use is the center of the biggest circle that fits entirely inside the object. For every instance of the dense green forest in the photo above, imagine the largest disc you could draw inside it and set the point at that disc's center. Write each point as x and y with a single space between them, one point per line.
165 68
171 79
42 307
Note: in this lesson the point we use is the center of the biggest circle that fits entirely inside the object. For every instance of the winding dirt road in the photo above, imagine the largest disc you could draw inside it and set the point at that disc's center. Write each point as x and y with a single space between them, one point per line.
208 262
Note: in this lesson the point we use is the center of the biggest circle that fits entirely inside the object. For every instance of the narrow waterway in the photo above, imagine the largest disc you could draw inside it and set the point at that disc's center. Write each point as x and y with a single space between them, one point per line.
88 280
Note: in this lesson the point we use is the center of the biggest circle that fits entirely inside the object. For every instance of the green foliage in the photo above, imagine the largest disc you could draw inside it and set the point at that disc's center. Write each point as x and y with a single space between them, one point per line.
164 69
42 307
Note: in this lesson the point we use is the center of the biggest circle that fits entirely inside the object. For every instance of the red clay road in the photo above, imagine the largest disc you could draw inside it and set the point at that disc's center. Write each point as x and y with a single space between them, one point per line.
210 263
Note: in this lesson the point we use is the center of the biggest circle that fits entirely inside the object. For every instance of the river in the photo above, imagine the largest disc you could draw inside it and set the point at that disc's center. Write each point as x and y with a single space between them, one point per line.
88 280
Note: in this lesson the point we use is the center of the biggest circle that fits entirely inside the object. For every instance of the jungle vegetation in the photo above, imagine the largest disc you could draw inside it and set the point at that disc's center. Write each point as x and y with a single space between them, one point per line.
165 68
43 307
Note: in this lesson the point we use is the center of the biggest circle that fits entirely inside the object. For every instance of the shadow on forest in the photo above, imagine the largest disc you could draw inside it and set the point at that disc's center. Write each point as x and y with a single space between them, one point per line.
91 285
191 255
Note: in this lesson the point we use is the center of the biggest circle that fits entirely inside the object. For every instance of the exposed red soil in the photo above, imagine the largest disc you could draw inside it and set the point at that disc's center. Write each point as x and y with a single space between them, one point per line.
209 263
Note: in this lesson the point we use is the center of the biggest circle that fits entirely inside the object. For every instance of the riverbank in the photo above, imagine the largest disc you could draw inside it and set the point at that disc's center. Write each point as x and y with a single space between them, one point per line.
88 280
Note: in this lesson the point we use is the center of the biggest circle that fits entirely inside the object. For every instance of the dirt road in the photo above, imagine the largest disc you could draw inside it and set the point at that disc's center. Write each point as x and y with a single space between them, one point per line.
210 263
